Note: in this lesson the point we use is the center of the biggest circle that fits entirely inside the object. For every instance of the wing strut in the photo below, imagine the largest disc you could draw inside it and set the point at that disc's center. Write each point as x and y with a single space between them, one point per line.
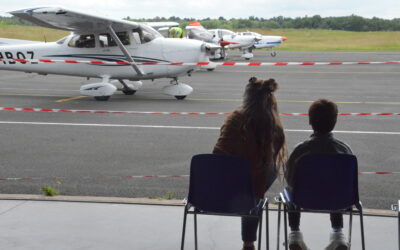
125 51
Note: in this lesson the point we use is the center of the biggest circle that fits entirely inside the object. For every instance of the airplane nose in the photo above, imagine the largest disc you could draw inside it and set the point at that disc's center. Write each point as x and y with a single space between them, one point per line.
284 38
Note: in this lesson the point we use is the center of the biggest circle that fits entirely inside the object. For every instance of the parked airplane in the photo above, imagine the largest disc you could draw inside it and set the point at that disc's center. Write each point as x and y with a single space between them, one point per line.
225 38
264 42
138 51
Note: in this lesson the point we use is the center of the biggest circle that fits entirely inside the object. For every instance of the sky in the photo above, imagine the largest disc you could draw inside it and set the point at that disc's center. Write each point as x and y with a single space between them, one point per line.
387 9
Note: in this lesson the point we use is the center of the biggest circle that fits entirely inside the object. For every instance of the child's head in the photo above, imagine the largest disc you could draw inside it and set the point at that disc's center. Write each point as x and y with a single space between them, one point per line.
323 115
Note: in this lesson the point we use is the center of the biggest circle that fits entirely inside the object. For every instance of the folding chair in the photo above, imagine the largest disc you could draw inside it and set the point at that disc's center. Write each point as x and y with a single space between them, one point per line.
396 207
324 183
221 185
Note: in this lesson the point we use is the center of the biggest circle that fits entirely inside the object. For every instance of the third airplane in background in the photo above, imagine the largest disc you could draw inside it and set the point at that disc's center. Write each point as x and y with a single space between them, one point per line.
270 42
225 38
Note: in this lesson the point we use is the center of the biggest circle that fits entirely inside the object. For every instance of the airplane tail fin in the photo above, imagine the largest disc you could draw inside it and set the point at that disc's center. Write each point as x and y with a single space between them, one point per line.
194 23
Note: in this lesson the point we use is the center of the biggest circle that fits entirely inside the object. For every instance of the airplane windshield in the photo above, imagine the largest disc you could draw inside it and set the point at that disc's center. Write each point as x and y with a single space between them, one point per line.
149 34
82 41
227 33
62 40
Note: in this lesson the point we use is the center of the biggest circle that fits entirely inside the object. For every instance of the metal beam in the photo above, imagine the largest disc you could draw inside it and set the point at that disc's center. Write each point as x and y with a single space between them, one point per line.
125 51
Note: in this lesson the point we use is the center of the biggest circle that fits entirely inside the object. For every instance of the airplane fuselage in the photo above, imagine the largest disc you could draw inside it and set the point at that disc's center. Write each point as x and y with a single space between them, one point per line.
159 50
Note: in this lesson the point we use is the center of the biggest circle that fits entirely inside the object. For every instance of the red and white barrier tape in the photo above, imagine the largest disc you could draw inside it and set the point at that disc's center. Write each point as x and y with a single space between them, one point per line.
195 63
157 176
166 113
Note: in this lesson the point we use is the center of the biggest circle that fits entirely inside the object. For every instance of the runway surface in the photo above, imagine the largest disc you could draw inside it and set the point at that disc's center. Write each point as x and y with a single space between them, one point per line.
92 154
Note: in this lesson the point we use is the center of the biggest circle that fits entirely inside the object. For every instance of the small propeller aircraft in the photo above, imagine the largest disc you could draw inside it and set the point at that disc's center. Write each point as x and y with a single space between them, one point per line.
132 51
264 42
225 38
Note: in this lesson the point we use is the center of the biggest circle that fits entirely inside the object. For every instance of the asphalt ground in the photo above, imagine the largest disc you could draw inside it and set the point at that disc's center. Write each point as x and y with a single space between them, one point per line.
91 154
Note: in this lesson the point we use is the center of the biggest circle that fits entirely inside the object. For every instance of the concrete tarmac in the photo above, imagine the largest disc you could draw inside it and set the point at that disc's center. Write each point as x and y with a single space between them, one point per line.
91 154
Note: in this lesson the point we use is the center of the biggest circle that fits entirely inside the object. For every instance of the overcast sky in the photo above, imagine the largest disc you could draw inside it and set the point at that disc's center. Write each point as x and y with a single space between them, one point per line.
388 9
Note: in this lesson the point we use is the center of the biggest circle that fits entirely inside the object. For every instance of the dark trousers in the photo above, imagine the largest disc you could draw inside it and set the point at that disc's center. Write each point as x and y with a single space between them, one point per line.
249 228
294 219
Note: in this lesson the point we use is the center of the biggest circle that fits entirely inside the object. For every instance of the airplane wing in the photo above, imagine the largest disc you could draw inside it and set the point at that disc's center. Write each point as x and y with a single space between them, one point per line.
7 41
64 19
158 25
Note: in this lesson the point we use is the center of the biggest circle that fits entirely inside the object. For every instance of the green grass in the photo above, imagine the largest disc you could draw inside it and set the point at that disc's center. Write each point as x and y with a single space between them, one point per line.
32 33
298 40
334 40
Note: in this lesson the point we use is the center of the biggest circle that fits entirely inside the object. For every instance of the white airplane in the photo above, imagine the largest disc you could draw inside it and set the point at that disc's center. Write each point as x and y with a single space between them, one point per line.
225 38
270 42
132 51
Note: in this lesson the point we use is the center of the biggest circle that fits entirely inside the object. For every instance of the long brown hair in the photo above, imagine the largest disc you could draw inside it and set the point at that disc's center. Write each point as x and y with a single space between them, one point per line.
261 118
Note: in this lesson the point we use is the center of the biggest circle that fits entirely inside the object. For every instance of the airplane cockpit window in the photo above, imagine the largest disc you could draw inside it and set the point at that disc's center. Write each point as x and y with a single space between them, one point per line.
62 40
106 40
227 33
146 33
247 33
82 41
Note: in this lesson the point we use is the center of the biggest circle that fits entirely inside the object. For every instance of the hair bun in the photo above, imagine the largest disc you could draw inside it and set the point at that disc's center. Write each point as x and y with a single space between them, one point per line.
253 79
270 85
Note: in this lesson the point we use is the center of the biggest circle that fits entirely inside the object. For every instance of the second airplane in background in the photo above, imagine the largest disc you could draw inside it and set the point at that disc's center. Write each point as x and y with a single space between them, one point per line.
244 41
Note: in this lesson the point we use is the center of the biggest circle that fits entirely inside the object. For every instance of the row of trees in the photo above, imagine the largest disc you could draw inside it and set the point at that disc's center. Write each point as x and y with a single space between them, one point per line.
349 23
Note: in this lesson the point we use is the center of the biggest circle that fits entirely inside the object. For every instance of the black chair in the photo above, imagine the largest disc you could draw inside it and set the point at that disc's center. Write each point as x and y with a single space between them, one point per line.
396 207
324 183
221 185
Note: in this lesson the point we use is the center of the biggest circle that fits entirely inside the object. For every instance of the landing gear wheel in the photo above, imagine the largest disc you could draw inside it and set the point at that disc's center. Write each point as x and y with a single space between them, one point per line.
128 91
180 97
247 59
102 98
273 53
210 69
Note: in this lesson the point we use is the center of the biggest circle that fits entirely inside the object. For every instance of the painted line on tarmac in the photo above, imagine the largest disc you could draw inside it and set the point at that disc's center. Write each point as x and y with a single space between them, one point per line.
306 72
71 99
294 101
180 127
36 95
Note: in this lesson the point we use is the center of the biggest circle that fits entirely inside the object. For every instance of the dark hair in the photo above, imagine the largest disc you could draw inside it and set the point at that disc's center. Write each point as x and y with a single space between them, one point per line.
323 115
261 117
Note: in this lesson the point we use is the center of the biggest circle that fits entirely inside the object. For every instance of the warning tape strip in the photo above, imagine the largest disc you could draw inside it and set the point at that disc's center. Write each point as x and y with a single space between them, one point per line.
158 176
195 63
166 113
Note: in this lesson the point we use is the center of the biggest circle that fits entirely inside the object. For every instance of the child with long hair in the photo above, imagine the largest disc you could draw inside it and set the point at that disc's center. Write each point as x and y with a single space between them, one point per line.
254 131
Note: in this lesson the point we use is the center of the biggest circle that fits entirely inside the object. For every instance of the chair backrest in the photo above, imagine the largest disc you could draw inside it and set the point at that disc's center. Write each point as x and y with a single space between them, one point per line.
220 184
326 181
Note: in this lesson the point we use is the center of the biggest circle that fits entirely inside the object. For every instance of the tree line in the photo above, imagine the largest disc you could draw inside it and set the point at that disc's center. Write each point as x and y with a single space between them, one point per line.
347 23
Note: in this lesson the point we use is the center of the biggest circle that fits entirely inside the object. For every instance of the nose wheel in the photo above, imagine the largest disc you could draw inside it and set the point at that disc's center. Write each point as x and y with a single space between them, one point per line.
273 53
177 89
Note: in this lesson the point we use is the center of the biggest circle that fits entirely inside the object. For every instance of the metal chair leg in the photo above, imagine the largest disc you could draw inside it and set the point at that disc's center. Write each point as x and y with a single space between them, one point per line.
184 228
285 225
350 226
398 216
362 230
260 219
267 227
195 230
278 233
